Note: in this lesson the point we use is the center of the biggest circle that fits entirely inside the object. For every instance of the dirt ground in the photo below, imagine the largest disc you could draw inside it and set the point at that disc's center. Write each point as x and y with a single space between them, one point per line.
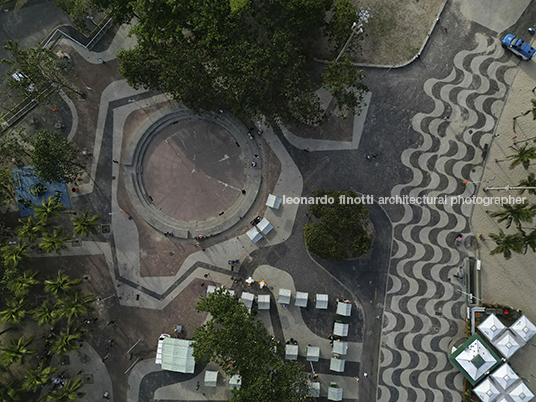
394 34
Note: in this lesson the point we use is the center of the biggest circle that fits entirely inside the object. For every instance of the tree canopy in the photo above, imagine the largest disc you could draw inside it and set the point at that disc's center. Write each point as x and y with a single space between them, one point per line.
253 57
240 344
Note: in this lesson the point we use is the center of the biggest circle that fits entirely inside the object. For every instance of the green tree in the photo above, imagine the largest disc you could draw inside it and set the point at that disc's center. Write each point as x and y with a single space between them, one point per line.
17 351
254 58
85 224
36 379
517 214
323 242
529 241
67 341
30 229
11 392
523 156
239 343
530 181
75 306
54 242
21 284
340 25
14 255
15 312
48 210
533 109
68 393
46 313
35 70
62 285
506 244
54 158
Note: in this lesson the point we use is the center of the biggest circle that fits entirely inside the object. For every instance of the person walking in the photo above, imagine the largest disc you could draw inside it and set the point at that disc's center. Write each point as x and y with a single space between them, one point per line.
101 60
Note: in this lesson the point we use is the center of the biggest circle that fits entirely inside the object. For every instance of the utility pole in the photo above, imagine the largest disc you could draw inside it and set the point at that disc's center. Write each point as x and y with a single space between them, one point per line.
357 28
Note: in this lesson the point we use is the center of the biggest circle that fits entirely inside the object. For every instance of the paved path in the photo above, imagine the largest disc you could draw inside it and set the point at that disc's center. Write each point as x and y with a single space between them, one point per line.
424 308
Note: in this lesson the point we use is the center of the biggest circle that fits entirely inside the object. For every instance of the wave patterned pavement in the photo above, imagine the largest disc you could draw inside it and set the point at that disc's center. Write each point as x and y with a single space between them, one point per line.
424 309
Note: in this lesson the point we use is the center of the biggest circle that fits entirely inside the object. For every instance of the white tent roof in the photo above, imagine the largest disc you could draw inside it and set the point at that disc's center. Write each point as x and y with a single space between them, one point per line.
263 302
314 389
235 381
504 376
521 393
264 226
254 234
337 365
476 359
491 327
247 298
284 296
486 391
344 309
291 352
273 201
334 393
340 347
177 355
506 344
301 299
321 301
524 328
313 353
340 329
211 378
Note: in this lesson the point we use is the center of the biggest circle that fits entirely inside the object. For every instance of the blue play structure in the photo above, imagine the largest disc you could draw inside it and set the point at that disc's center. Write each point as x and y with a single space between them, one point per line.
31 191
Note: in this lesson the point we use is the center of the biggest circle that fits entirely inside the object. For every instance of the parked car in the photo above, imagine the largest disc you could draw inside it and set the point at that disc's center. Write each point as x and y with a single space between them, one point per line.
518 46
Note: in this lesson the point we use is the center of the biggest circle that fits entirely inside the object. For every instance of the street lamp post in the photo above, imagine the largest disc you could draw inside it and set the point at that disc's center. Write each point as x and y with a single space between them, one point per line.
357 28
508 188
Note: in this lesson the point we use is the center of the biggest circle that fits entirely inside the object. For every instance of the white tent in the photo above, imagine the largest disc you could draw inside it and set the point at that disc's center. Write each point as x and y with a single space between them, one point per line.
263 302
247 298
301 299
491 327
235 381
177 355
254 234
273 201
159 348
264 226
314 389
521 393
524 328
321 301
340 347
211 378
337 365
506 344
344 309
284 296
313 353
291 352
340 329
504 376
486 391
476 359
334 392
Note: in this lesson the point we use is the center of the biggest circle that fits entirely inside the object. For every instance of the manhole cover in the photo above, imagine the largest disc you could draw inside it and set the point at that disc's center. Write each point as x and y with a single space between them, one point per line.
105 228
88 379
171 253
85 359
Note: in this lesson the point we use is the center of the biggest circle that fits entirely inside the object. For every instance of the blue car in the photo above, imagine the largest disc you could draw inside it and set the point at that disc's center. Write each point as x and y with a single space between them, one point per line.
518 46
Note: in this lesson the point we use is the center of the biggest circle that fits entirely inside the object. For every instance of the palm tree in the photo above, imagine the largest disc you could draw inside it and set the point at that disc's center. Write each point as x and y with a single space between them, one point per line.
524 156
506 244
74 307
30 229
533 110
530 181
16 352
86 224
49 209
35 379
20 285
15 312
11 392
46 313
68 393
529 241
62 285
54 242
67 340
516 213
14 255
